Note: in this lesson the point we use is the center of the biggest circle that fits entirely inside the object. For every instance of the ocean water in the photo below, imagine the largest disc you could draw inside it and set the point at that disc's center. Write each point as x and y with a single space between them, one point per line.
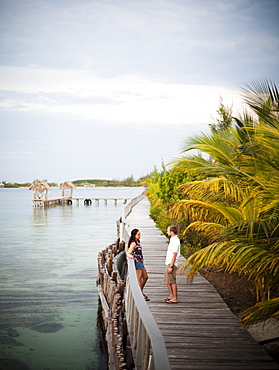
48 272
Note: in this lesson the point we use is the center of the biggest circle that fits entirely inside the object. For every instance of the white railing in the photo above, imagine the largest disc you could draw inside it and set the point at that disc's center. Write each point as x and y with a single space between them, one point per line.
128 207
124 227
147 343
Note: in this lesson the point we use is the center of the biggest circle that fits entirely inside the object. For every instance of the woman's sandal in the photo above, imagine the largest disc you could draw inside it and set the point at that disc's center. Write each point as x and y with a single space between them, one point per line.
146 298
167 299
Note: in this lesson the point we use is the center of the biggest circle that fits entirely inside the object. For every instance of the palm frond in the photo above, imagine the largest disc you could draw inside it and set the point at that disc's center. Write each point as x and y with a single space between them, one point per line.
209 229
202 210
261 311
258 264
216 185
263 98
218 146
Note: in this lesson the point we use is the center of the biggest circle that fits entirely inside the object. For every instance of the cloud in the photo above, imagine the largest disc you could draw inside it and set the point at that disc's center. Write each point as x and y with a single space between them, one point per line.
125 99
84 82
173 39
16 155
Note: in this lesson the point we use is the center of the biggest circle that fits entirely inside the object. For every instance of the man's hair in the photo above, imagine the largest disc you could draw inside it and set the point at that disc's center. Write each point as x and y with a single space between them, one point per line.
173 228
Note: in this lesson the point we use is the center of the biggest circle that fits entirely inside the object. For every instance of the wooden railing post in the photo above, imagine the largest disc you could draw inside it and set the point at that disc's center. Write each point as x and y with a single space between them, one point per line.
146 359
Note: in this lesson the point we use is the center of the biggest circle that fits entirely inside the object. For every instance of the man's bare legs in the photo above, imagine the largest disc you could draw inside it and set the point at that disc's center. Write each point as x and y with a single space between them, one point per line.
173 292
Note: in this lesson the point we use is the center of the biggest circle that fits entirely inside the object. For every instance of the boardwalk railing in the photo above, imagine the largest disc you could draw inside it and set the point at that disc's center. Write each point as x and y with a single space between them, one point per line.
148 345
124 227
89 200
132 203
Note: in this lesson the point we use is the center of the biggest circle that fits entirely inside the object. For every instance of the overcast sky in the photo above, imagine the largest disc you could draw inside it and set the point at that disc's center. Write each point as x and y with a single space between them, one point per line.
111 88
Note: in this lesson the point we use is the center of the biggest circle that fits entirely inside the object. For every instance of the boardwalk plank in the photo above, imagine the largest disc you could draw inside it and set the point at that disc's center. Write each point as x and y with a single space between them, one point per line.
200 331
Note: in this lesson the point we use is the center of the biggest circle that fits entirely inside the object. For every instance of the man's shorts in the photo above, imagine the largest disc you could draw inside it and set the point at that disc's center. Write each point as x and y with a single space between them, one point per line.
139 265
170 278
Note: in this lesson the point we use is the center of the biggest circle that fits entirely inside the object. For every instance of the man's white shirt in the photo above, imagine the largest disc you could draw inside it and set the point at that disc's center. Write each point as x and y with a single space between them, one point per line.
173 247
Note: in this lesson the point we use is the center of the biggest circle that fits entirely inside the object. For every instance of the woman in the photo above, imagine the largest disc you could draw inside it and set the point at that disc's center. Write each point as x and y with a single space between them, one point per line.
135 253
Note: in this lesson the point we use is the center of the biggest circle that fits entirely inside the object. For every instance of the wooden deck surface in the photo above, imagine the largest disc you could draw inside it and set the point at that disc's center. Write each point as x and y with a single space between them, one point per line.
200 331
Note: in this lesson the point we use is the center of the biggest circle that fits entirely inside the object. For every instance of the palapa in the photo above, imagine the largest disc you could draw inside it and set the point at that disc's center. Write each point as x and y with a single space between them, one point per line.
67 189
40 190
67 185
39 186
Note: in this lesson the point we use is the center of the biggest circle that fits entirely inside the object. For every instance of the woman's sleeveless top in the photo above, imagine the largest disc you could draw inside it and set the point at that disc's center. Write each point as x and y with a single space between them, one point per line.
137 253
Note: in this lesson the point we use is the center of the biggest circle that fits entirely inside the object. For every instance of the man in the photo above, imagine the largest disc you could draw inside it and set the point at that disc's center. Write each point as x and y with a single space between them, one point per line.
172 256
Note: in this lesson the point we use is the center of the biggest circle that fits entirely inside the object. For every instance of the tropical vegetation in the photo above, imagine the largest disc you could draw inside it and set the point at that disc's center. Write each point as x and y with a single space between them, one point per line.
228 196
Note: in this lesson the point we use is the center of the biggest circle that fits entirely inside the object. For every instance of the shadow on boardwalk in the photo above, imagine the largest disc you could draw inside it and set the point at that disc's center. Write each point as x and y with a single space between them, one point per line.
200 331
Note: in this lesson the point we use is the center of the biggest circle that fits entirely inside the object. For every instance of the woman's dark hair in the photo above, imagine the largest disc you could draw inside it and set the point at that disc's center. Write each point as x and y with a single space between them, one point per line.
133 237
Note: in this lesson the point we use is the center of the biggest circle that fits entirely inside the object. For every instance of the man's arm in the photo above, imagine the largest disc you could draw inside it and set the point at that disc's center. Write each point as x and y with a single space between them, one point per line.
174 255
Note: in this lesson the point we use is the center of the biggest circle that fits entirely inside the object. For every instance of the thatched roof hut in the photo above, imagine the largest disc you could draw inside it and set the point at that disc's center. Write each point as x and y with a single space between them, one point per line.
67 189
67 185
40 186
40 189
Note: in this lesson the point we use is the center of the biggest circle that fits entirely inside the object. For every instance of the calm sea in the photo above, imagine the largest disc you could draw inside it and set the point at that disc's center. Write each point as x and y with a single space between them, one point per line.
48 271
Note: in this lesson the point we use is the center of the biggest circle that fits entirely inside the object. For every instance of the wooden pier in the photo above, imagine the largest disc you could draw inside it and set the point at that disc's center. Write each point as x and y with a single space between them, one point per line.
51 202
89 200
41 191
200 332
69 200
41 196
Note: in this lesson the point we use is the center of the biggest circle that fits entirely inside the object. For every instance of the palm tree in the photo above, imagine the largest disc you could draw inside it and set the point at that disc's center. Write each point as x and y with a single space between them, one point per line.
235 203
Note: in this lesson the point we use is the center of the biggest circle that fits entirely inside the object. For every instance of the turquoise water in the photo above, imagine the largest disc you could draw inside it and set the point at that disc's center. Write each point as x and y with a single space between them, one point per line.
48 271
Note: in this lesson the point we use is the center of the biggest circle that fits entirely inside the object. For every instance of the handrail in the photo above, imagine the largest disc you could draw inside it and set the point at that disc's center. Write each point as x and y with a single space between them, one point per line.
128 207
147 341
124 228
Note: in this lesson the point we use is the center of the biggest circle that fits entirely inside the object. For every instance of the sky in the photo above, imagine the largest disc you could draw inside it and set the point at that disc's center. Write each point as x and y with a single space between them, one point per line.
106 89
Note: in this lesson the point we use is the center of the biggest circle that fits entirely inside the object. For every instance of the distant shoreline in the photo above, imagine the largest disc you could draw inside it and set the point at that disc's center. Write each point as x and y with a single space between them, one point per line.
128 182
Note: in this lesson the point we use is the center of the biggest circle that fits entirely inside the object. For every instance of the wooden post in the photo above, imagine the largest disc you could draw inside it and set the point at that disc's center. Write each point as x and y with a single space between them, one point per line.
121 246
109 265
114 250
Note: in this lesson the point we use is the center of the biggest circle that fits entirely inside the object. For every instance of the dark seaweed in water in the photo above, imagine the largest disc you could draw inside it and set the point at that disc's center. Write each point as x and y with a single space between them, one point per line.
102 348
47 327
12 364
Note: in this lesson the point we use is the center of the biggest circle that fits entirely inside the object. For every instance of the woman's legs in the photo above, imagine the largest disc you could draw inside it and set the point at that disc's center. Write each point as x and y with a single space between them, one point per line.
142 277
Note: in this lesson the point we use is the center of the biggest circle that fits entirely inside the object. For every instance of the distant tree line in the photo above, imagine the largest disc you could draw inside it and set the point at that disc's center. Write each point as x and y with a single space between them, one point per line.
16 184
129 181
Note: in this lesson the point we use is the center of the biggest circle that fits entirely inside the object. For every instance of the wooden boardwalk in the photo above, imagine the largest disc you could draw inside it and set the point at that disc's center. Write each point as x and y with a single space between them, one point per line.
200 331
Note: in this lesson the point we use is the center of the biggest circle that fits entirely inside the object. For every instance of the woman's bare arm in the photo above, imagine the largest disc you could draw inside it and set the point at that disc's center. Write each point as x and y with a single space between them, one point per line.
131 250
